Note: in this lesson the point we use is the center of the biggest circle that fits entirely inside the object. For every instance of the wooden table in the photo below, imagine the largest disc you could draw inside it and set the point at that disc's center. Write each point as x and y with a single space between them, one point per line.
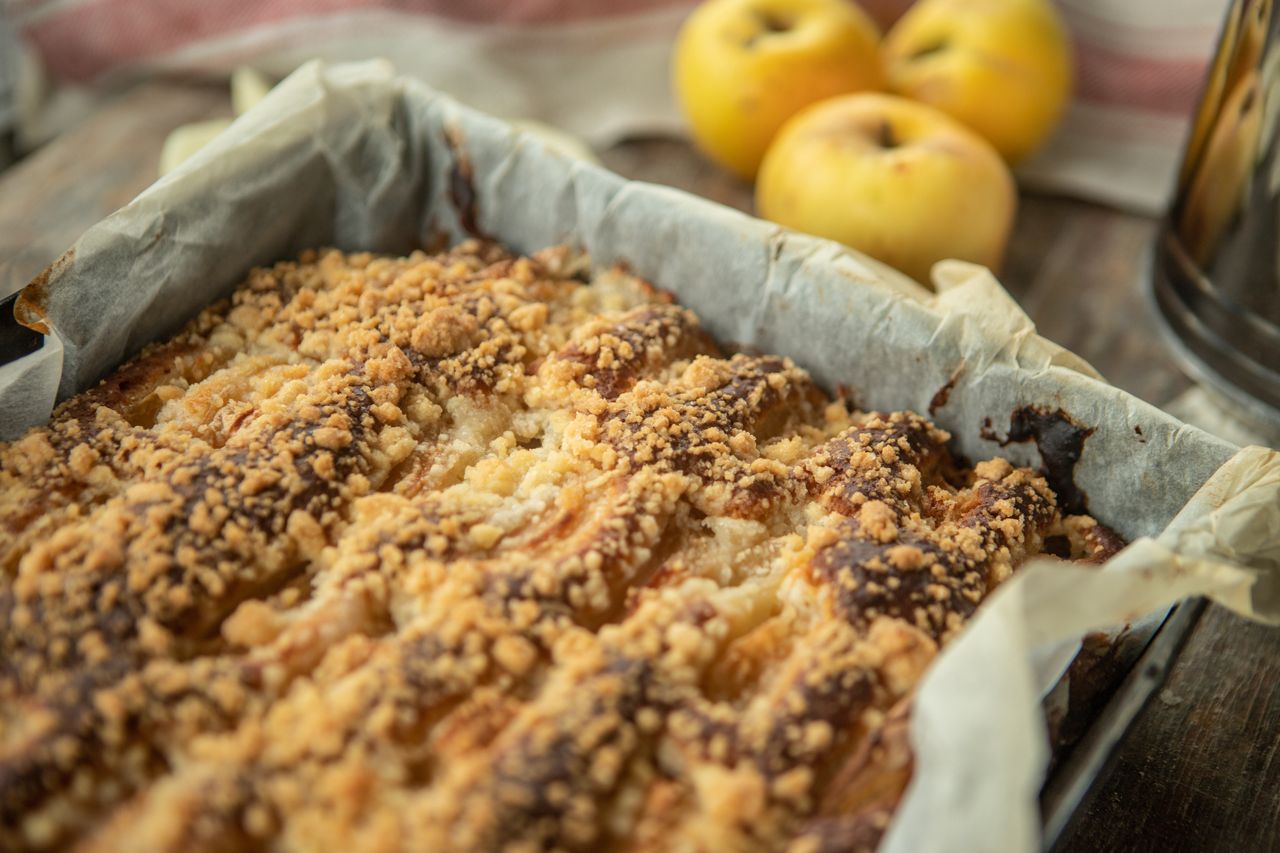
1199 769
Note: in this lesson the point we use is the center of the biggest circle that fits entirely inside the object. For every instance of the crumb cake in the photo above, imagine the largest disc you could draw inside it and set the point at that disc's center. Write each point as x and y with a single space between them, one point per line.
472 551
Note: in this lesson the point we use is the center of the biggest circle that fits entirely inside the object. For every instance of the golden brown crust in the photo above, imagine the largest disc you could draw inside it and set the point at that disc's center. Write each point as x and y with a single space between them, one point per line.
459 552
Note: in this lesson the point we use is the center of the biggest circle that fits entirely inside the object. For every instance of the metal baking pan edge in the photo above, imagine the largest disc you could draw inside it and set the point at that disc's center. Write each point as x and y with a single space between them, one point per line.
1068 790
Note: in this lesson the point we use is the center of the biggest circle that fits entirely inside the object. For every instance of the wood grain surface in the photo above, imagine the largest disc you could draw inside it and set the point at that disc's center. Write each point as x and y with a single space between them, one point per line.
51 197
1199 769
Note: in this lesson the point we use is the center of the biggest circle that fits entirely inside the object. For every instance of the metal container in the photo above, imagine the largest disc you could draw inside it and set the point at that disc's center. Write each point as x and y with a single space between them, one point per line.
1216 261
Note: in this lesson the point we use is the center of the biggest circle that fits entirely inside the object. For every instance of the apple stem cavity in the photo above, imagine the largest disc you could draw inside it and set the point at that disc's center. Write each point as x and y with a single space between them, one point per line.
773 23
770 24
885 137
930 49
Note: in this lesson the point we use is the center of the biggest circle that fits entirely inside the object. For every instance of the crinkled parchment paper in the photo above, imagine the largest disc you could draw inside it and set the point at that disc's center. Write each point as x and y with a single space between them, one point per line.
354 157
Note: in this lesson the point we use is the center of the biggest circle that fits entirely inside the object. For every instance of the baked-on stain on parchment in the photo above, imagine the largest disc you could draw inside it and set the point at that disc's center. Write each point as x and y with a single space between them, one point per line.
943 394
31 309
462 191
1060 441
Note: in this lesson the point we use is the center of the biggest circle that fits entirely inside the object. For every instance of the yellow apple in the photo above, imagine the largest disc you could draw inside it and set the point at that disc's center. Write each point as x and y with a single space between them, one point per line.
743 67
898 180
1003 67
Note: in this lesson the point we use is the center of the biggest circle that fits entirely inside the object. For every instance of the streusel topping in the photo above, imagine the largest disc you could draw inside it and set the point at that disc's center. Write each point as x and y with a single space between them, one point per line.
472 551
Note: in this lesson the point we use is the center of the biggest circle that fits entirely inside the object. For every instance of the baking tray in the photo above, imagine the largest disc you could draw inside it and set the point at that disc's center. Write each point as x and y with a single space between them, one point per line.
386 165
